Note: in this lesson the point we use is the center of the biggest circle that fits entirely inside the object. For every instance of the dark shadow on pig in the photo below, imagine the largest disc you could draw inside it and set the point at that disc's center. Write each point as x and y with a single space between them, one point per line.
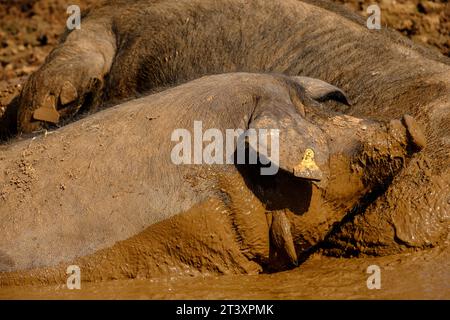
8 121
280 191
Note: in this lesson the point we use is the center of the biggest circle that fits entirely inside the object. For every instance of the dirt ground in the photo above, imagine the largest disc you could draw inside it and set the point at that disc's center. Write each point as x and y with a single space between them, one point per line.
426 22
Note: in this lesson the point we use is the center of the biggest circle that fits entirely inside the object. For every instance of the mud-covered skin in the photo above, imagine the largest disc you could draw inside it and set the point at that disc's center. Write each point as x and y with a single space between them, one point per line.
82 206
142 45
364 157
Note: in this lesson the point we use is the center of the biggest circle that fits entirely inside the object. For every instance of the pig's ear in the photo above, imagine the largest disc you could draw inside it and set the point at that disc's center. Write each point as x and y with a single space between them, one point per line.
322 91
291 143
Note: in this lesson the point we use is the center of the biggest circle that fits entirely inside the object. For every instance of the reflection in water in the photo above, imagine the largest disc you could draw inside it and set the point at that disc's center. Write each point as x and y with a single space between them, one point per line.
419 275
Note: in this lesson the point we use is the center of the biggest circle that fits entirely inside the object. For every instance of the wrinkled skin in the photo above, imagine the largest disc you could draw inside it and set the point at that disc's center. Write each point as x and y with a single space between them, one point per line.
109 177
126 48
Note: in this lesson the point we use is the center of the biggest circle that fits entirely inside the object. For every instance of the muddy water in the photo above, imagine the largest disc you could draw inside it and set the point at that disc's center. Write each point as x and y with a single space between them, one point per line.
418 275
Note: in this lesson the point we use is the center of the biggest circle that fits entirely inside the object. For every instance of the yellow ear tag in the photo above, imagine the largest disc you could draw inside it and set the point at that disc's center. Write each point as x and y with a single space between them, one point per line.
308 168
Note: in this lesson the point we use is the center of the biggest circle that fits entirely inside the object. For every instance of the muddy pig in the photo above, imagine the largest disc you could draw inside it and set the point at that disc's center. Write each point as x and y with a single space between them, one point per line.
126 48
107 188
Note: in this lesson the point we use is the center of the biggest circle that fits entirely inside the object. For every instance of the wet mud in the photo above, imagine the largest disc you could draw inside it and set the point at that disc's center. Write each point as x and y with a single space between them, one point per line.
420 275
205 261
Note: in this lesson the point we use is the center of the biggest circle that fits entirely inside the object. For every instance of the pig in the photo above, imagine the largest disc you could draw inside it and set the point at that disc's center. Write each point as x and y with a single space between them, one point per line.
106 194
125 49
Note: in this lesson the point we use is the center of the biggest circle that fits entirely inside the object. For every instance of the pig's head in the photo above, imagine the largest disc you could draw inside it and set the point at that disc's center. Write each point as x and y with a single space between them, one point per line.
344 155
329 163
365 155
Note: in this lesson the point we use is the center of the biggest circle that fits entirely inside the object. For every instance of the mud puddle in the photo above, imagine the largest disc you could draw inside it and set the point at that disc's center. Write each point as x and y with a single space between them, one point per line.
419 275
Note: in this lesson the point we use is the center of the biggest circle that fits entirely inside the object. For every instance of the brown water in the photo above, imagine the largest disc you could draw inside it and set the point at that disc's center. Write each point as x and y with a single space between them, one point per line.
419 275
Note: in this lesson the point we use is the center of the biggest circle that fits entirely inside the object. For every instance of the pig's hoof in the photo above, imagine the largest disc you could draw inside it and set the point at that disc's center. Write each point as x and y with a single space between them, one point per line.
281 238
56 91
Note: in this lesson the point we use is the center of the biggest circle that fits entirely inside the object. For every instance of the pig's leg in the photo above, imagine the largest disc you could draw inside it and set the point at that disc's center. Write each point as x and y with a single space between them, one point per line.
281 238
71 77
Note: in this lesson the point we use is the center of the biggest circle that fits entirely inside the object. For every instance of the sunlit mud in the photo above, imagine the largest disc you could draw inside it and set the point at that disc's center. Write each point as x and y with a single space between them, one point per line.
421 275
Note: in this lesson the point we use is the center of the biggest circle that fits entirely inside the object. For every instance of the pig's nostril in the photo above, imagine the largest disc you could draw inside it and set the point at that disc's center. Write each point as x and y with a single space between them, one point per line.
415 133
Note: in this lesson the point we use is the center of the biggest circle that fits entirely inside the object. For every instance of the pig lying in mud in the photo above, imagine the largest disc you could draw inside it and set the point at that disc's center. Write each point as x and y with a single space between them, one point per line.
126 48
85 188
